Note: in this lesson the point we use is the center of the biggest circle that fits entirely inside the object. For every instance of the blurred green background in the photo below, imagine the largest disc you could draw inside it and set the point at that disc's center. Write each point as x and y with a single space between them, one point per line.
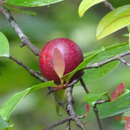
37 110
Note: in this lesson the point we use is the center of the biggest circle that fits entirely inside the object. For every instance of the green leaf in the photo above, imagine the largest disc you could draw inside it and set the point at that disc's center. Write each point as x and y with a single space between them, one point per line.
122 104
98 56
82 65
9 106
97 73
113 21
86 4
21 11
117 3
4 45
107 52
104 54
31 3
3 124
91 98
129 35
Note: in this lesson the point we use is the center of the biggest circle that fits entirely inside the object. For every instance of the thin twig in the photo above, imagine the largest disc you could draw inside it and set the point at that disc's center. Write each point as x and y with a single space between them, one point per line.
19 32
63 121
32 72
114 58
84 85
124 62
70 108
65 86
101 101
96 65
97 117
97 113
68 125
59 123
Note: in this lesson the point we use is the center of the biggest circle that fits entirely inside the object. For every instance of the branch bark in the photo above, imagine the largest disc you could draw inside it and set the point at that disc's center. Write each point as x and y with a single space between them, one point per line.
124 62
70 108
19 32
59 123
115 58
97 117
68 125
84 85
96 65
29 70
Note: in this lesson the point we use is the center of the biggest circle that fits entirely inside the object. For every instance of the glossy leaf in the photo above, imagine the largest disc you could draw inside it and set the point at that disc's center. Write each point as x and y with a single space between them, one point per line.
97 56
100 72
81 66
4 45
116 107
113 21
31 3
86 4
103 54
107 52
9 106
58 63
21 11
91 98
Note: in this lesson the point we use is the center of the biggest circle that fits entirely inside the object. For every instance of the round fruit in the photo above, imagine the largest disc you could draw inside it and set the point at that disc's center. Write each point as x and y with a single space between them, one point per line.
70 51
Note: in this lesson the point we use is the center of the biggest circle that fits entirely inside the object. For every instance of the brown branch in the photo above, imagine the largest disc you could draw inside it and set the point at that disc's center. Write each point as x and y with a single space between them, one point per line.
19 32
68 125
70 109
84 85
59 123
97 117
97 113
32 72
124 62
115 58
63 121
101 101
65 86
96 65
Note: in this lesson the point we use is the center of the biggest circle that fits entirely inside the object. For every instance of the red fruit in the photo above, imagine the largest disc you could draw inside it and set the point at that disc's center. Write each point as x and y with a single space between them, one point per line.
70 52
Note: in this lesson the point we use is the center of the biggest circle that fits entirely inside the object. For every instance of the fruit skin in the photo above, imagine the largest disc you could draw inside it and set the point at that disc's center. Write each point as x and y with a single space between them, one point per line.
70 51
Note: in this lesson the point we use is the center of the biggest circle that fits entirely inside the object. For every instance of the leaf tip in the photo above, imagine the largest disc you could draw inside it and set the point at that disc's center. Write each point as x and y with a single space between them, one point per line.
80 13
